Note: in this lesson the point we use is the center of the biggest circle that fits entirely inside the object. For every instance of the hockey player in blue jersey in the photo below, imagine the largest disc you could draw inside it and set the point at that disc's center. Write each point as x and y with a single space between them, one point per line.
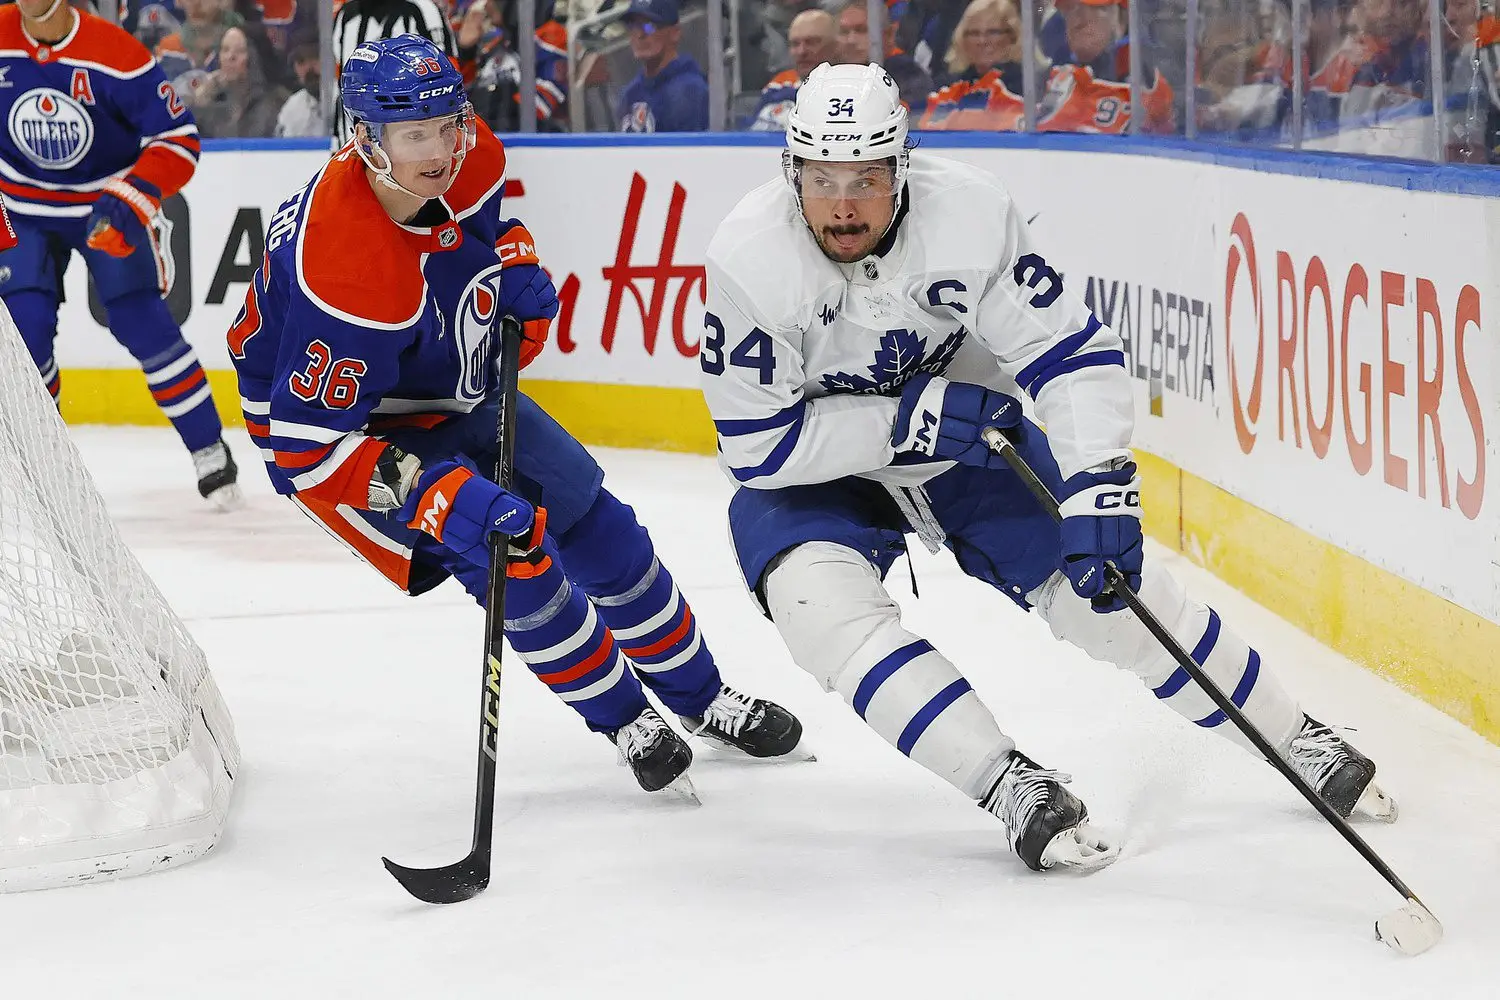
366 361
96 139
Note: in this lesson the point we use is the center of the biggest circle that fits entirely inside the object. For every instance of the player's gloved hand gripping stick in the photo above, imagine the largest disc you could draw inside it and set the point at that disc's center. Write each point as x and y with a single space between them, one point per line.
1412 928
469 876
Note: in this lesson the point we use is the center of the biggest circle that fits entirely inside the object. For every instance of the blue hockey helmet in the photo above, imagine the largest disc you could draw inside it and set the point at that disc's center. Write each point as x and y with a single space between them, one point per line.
407 78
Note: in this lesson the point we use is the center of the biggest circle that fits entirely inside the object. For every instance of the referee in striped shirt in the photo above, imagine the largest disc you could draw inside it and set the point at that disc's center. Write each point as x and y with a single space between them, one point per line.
360 21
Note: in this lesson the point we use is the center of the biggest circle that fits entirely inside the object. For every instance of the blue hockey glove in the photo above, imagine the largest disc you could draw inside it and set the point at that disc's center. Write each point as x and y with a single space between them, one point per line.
461 509
945 420
121 220
1101 522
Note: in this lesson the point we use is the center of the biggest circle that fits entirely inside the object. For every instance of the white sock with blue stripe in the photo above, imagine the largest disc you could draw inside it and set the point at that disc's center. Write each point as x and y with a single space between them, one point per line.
843 628
1232 664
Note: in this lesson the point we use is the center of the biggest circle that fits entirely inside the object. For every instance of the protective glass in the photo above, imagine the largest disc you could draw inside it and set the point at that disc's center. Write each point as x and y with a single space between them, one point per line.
429 139
837 182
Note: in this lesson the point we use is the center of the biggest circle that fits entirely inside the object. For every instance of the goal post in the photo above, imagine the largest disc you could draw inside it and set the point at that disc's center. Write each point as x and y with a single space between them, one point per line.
117 753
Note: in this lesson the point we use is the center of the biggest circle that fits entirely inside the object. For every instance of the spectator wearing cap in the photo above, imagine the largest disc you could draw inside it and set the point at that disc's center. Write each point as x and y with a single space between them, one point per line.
670 94
914 82
813 38
1091 91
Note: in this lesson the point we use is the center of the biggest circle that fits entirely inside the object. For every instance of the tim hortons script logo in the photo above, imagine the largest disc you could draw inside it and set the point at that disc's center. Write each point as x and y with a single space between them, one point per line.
623 276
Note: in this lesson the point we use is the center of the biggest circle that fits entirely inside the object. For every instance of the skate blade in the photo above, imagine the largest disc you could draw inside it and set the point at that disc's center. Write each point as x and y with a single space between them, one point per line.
796 755
680 790
1080 848
226 498
1375 804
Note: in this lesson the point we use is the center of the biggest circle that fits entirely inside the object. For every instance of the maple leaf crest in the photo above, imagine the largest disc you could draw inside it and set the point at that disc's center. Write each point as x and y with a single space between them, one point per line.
943 357
900 355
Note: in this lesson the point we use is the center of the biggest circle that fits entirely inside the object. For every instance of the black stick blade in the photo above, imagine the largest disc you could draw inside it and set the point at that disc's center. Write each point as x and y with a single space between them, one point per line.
464 879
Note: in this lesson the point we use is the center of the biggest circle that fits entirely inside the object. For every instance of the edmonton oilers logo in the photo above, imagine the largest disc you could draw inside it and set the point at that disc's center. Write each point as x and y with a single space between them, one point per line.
477 311
51 128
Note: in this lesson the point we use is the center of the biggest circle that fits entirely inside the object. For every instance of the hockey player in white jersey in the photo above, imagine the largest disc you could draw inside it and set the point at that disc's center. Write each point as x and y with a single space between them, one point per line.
868 317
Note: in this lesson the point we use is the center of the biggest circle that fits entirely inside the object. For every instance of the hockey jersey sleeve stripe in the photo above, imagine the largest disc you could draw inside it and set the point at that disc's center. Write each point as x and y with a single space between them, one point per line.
778 456
1241 692
302 459
305 432
1201 652
45 195
929 712
1093 359
754 425
166 166
344 475
882 671
1040 371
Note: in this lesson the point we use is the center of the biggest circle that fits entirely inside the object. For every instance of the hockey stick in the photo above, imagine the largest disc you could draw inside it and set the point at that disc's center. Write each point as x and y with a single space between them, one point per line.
1410 929
468 877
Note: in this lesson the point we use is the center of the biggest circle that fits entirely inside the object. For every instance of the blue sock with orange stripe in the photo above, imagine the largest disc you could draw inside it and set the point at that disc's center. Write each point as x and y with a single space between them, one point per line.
553 627
610 555
142 323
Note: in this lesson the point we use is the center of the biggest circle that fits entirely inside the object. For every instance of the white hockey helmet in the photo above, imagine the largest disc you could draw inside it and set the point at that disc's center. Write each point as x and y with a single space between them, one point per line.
846 114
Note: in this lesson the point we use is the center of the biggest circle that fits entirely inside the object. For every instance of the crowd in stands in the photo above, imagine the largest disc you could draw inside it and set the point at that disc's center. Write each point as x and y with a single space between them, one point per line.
252 68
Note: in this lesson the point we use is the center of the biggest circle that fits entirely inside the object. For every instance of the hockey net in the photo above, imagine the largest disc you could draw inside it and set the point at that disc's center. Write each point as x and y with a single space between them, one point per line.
117 753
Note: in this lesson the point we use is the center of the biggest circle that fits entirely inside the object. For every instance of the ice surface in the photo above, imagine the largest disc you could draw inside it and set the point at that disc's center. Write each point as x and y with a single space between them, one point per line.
859 875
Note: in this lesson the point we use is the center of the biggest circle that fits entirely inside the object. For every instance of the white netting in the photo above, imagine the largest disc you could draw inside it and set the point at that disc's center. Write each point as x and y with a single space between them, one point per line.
117 754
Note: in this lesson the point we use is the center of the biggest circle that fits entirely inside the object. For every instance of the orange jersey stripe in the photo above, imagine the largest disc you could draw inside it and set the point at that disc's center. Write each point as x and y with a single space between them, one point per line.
302 459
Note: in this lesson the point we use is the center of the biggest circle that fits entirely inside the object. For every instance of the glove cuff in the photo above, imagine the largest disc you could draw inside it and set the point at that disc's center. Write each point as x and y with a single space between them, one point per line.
516 246
133 194
920 413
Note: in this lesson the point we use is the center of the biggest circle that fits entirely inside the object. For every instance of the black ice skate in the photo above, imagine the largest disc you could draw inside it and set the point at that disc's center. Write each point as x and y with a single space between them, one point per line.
218 476
1338 772
751 726
1047 825
657 756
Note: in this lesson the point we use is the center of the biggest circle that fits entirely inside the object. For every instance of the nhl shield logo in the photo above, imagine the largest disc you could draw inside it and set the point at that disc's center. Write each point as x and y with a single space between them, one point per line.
52 129
447 238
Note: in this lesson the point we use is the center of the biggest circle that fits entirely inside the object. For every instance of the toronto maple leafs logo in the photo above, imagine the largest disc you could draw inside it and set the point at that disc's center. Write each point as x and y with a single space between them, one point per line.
901 355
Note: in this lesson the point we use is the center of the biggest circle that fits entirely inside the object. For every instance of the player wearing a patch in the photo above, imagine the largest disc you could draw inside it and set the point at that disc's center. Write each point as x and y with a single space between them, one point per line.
868 317
366 356
95 140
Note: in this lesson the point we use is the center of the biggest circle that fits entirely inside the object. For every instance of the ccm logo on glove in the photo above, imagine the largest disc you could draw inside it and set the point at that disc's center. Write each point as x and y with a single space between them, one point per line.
1117 498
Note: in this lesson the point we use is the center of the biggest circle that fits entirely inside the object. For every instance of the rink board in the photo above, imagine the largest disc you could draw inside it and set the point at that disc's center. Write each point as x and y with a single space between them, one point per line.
1316 401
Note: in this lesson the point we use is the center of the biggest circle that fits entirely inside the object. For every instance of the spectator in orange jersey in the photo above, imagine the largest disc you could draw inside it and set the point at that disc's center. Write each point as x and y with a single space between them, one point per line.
813 40
984 71
1091 93
912 80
